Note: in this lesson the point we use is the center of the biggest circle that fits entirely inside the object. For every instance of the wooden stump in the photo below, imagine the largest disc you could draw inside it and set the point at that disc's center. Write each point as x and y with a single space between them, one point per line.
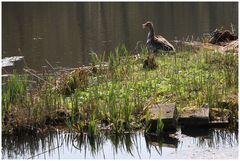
220 37
195 116
11 64
168 114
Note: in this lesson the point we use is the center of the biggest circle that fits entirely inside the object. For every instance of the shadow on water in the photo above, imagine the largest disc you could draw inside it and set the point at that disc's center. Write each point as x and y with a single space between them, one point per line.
62 145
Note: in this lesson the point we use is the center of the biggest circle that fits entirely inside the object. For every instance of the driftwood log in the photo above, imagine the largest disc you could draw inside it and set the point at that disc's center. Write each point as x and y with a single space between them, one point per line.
220 37
222 41
229 47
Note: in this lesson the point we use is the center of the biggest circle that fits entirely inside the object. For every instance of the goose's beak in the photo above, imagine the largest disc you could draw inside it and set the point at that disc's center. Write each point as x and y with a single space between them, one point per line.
143 26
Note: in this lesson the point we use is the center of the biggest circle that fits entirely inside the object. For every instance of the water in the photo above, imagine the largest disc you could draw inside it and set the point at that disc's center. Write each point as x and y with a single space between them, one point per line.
207 144
65 33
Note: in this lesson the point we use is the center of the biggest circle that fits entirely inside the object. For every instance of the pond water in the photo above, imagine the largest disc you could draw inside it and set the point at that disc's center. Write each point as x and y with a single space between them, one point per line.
65 33
197 144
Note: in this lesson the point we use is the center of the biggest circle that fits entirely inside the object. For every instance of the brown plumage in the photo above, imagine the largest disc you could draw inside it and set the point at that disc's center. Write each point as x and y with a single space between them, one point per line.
155 43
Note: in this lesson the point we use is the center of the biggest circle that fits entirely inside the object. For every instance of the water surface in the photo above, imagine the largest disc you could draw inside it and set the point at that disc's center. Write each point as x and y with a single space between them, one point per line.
207 144
65 33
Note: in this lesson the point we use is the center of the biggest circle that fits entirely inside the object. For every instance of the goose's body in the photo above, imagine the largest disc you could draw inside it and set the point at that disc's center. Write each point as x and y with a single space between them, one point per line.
155 43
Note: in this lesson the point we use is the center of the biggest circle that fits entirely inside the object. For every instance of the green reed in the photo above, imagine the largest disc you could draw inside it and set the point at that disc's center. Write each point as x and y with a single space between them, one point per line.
118 94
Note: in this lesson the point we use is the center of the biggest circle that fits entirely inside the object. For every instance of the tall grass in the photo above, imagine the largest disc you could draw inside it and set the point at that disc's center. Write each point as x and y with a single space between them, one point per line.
14 92
117 95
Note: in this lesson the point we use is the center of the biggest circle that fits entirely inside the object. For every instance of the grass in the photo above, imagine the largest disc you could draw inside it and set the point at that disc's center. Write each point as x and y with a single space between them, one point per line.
118 94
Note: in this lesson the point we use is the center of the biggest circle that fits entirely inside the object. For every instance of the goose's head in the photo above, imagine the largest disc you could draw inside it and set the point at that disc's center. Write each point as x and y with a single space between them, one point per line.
148 25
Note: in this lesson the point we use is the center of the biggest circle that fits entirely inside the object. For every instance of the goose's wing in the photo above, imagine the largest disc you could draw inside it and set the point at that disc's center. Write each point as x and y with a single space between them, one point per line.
161 40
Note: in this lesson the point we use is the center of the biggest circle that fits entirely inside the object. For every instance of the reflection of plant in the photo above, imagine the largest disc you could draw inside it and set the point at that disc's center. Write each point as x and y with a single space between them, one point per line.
157 145
92 126
160 124
95 143
147 122
216 136
31 147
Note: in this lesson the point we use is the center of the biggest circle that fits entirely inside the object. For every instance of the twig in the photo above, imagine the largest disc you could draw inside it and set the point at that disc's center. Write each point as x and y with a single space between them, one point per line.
104 66
37 76
51 67
49 64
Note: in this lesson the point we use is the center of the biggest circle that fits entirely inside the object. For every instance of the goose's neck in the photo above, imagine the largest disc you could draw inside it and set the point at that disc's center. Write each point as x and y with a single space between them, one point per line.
151 33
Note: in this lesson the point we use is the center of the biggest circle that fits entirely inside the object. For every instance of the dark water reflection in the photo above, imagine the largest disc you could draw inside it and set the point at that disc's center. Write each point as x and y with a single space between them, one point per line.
67 32
219 143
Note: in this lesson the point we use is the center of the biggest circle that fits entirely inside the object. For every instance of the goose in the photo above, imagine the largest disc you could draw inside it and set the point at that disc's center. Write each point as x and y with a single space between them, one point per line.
155 43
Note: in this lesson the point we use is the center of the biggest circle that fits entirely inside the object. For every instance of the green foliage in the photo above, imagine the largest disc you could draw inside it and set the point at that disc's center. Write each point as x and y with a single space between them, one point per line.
15 90
119 93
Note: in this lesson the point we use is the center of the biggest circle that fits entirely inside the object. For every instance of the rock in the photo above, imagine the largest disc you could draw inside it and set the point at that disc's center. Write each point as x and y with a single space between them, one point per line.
168 116
195 116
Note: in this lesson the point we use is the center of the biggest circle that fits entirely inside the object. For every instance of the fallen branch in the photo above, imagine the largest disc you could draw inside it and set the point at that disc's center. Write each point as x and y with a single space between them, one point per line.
35 75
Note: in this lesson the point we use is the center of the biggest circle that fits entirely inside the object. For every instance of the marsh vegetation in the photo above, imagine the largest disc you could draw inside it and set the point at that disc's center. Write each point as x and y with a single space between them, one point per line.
113 93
